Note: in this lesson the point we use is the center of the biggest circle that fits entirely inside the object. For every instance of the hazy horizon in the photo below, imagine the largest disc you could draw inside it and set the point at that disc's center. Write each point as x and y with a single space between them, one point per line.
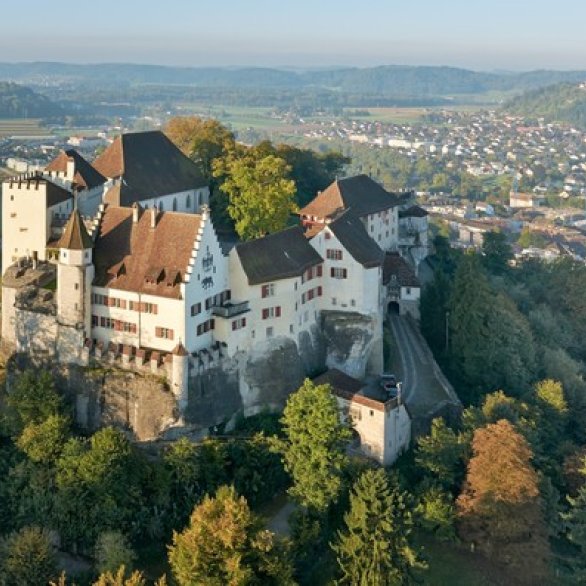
500 35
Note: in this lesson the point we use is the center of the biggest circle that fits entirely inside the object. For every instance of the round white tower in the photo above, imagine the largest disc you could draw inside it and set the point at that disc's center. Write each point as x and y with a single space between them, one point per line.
75 273
180 375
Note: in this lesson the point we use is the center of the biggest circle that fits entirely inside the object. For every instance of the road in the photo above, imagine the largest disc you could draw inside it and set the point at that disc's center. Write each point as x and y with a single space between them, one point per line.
424 386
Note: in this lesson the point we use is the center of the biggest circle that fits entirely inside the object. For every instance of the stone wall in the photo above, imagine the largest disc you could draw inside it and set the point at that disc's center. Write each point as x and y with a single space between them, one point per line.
105 393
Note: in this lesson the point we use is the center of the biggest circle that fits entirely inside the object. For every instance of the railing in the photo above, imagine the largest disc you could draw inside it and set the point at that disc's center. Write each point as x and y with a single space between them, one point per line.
230 309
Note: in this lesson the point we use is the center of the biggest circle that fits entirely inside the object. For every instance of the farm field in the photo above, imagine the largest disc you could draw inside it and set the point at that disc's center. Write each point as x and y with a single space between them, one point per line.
22 127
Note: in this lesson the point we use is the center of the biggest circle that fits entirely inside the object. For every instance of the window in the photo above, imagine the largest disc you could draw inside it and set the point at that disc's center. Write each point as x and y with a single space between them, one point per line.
164 333
408 290
327 235
205 327
338 273
269 312
188 202
238 324
333 254
195 309
268 290
353 302
270 332
76 286
371 413
334 301
174 204
291 328
303 297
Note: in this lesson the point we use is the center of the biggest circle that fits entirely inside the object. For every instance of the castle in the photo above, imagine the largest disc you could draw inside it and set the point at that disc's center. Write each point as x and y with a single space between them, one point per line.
119 262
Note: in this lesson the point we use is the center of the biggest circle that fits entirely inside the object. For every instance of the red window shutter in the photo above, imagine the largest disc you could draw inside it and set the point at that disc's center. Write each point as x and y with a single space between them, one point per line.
158 332
171 334
213 324
345 273
243 322
278 311
332 272
319 270
265 291
319 291
155 309
123 303
233 326
265 313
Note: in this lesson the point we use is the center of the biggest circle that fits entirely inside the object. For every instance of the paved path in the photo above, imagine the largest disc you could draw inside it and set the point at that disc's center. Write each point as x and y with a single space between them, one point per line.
424 385
279 523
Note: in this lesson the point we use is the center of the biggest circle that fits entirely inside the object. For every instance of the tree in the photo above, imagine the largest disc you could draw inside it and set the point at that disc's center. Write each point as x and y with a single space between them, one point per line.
441 453
500 507
33 398
112 551
496 252
575 525
119 578
43 442
203 140
261 194
435 511
225 544
374 549
27 558
314 445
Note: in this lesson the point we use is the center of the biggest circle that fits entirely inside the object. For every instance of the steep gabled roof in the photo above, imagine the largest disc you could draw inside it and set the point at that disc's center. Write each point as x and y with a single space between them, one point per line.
414 211
282 255
75 236
360 193
135 257
350 231
148 165
394 264
86 177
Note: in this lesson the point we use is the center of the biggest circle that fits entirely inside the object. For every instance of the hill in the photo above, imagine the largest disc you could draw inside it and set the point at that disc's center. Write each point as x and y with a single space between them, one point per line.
388 80
564 103
17 101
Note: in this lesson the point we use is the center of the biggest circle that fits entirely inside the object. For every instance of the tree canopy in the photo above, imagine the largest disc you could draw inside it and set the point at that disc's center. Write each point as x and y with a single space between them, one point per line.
314 445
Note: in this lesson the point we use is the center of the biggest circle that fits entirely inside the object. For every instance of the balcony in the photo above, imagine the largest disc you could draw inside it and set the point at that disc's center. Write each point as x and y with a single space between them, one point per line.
230 309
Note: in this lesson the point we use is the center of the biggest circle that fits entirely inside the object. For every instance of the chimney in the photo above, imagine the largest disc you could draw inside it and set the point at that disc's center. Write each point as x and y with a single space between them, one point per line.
135 210
205 212
70 169
154 212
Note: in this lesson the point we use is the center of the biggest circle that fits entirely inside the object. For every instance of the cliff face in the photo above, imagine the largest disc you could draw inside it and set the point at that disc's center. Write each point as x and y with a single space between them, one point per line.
246 383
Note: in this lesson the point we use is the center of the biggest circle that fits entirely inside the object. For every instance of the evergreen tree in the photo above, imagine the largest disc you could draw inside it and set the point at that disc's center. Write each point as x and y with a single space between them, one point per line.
27 558
374 549
314 445
575 524
496 252
442 453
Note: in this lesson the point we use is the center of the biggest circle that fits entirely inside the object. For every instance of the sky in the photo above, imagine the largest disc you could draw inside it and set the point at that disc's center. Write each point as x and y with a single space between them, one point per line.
495 35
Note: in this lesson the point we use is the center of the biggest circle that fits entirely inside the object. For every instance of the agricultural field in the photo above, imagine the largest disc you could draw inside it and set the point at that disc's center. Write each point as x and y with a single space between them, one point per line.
22 127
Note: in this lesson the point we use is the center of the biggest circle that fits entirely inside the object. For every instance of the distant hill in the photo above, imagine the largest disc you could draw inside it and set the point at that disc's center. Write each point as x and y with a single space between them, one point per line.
387 80
17 101
559 103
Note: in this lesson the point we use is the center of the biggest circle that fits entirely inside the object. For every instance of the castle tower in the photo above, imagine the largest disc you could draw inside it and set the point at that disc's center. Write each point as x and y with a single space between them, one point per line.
75 273
180 375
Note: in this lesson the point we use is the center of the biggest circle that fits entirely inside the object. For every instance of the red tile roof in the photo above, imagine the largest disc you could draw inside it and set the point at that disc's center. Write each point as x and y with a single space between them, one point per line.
135 257
86 177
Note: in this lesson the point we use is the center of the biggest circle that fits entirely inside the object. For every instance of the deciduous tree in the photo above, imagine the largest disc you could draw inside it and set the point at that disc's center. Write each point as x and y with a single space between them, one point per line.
262 196
225 545
500 507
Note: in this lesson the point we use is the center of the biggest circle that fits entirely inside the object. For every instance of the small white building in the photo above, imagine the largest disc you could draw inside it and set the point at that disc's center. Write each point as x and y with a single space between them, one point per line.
381 420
